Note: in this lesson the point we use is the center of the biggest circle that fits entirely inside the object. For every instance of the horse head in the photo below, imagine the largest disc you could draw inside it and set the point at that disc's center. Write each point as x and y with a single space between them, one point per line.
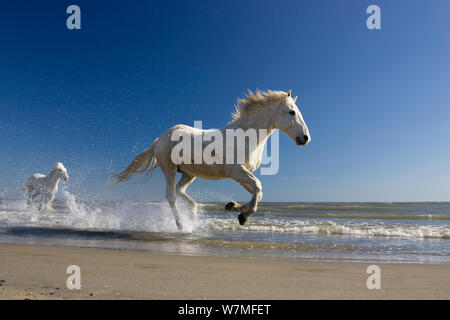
289 120
61 171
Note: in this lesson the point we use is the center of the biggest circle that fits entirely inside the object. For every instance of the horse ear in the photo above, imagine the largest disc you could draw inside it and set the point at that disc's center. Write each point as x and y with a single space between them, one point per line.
289 93
295 99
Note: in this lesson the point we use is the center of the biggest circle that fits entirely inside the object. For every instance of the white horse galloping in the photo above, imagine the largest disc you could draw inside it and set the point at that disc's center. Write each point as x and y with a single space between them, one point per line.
262 111
45 186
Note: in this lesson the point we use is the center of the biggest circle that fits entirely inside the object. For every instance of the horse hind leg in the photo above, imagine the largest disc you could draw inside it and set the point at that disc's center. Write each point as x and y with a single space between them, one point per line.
171 175
31 196
182 185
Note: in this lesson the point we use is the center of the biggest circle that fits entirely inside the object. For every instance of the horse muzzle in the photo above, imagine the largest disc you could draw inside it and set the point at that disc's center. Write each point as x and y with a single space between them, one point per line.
301 141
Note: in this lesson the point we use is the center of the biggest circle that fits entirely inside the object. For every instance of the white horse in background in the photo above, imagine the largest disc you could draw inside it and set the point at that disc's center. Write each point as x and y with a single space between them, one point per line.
45 186
262 111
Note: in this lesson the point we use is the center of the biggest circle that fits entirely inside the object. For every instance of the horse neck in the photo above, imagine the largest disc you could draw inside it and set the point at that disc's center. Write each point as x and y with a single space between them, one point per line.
262 123
54 179
257 121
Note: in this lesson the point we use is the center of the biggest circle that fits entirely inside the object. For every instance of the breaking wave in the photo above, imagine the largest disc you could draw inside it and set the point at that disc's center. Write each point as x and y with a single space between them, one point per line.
329 227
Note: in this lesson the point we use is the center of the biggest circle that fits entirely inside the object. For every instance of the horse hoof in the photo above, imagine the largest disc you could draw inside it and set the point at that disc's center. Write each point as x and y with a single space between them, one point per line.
242 219
230 205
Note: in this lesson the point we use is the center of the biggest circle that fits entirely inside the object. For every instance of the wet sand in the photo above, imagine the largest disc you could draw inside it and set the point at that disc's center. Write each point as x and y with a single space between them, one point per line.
39 272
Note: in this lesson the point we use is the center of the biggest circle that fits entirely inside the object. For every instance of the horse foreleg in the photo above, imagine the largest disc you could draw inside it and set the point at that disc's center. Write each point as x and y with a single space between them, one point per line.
252 185
50 200
41 202
182 185
32 196
171 176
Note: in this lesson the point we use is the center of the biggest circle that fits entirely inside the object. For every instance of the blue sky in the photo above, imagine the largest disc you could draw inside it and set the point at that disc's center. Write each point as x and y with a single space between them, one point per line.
376 101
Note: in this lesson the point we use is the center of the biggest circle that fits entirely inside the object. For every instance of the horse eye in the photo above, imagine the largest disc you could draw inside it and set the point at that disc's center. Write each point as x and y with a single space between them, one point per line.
292 112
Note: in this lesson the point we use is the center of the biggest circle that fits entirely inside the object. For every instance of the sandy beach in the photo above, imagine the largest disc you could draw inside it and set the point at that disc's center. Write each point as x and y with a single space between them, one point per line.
39 272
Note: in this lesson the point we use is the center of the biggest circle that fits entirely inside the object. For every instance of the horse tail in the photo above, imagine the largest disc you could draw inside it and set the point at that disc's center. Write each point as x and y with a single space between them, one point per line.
145 161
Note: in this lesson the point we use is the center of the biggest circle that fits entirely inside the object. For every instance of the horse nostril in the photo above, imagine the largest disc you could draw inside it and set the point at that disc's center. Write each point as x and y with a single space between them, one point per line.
306 138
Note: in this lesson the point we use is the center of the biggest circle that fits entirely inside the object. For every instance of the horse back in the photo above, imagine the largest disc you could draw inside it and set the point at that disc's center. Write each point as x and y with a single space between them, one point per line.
35 177
38 176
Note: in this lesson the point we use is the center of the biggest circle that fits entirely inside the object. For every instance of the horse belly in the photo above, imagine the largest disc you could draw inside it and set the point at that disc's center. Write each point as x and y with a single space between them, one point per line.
35 182
202 171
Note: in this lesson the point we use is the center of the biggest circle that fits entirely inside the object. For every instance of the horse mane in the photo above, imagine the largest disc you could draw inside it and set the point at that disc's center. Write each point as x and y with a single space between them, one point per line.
253 101
58 165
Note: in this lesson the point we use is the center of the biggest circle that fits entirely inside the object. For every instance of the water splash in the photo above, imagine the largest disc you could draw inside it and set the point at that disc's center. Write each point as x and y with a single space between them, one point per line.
135 216
75 214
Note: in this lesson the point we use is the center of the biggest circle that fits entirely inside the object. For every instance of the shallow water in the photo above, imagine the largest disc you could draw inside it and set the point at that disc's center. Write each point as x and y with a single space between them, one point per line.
365 232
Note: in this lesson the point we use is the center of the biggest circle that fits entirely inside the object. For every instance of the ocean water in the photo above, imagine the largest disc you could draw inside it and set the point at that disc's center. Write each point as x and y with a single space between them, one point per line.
360 232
